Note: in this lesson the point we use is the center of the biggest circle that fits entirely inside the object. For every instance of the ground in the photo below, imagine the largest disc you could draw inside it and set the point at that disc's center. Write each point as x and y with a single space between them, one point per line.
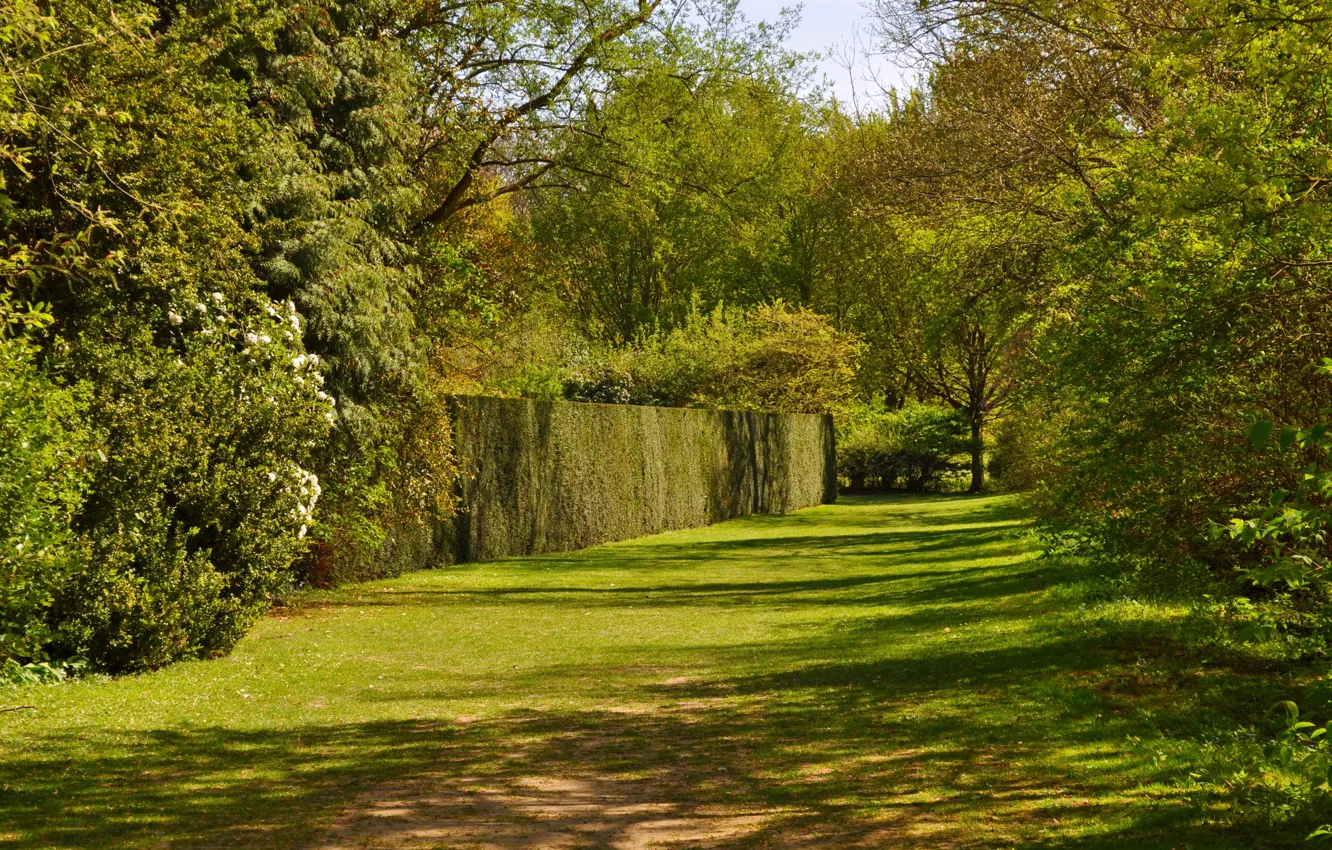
880 673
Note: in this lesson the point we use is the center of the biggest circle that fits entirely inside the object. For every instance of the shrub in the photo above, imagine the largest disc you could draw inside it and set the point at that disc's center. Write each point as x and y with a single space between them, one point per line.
772 357
204 497
43 475
915 448
237 213
931 440
794 360
391 523
1014 455
866 455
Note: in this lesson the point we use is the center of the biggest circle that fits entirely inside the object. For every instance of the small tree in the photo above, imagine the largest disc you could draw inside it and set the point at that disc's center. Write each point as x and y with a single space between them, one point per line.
968 366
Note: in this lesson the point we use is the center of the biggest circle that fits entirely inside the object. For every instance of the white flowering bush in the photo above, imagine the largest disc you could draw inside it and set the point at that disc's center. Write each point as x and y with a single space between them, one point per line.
204 499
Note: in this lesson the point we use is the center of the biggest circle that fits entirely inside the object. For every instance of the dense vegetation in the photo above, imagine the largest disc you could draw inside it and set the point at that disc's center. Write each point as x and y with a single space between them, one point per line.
248 248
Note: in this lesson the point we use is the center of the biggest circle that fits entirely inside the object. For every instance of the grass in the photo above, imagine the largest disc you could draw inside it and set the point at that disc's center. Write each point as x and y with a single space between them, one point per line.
885 672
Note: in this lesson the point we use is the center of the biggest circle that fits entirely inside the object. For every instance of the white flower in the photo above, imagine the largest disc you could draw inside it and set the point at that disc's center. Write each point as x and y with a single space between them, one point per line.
201 307
295 321
265 339
301 535
217 297
272 476
251 338
314 359
291 307
298 361
175 318
332 419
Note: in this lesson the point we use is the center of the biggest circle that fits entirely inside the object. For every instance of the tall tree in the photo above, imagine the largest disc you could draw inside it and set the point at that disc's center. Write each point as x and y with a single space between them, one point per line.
681 189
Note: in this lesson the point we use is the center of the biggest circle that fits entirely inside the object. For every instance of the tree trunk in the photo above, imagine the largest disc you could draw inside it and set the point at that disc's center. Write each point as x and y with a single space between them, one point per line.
977 455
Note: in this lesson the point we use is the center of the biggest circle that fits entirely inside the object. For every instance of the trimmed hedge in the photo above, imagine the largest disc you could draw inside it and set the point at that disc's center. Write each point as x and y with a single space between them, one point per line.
548 476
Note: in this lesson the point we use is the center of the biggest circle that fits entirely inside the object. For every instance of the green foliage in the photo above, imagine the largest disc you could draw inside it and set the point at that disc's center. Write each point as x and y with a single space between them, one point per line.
687 175
128 202
1301 754
1288 541
538 475
1016 451
397 522
40 672
1295 526
44 452
1189 290
193 521
771 357
916 447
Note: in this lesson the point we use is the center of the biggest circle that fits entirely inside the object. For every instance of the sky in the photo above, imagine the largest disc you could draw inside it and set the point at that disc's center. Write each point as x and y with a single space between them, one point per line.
839 24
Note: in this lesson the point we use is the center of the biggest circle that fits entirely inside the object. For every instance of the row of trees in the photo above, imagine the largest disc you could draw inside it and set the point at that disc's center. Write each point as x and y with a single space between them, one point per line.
1144 187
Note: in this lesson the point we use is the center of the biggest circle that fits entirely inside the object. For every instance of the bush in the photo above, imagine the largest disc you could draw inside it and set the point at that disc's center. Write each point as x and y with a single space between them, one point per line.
204 498
237 213
866 455
915 448
772 357
392 522
43 475
1014 456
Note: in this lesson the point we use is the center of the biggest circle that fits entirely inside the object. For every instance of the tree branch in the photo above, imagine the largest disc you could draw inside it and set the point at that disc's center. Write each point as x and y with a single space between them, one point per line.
458 196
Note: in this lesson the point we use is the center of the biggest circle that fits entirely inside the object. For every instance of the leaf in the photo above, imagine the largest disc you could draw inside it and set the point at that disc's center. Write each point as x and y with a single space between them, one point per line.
1259 433
1292 710
1287 438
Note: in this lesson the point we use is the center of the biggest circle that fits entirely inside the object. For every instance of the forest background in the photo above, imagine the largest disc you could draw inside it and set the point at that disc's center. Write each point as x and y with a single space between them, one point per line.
248 249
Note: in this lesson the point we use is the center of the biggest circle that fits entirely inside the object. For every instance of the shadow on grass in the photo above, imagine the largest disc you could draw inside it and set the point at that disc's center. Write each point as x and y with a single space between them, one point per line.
781 773
820 740
641 570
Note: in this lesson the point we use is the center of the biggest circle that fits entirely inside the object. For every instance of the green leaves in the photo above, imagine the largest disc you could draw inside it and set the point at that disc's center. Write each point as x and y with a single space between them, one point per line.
1297 523
44 474
1287 438
1259 433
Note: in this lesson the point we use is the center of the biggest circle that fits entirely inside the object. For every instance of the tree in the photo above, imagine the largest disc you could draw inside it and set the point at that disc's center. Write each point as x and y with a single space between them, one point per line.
684 178
1178 159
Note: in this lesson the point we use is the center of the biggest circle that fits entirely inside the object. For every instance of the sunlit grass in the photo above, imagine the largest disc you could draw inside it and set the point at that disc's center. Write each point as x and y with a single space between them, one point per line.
885 672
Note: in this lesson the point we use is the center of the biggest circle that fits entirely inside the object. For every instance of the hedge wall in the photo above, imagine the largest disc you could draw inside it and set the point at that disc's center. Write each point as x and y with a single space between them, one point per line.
549 476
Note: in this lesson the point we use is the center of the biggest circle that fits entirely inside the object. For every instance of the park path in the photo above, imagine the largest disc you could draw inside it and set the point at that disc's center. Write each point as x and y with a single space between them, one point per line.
884 672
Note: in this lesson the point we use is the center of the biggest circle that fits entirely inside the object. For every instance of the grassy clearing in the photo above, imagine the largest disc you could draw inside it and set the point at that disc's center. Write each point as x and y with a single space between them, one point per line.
886 672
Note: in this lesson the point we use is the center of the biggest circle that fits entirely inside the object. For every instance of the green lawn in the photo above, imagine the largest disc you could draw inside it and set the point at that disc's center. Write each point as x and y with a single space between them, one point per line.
882 673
